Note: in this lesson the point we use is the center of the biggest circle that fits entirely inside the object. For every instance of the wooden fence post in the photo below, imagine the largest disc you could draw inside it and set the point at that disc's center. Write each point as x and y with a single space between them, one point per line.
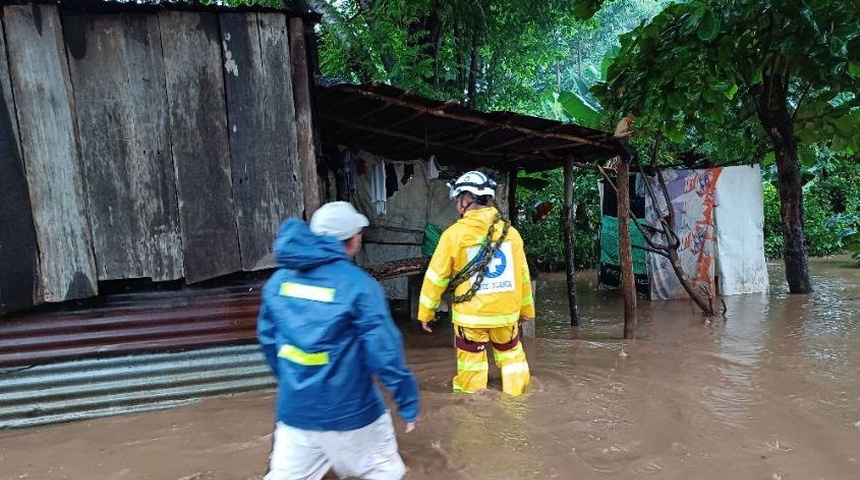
567 225
625 249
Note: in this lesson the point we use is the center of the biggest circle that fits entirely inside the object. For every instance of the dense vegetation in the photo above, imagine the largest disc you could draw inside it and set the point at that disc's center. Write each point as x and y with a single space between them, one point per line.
778 74
770 81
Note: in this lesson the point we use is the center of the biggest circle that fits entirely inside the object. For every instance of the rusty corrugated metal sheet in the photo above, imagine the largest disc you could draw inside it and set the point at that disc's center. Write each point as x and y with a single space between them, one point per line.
91 388
129 352
129 323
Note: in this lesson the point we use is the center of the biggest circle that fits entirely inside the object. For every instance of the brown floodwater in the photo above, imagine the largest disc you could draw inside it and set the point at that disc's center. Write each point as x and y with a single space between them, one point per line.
769 391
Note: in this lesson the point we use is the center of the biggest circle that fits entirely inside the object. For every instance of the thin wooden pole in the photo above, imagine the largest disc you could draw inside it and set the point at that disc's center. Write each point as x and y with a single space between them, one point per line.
512 197
304 116
567 224
625 250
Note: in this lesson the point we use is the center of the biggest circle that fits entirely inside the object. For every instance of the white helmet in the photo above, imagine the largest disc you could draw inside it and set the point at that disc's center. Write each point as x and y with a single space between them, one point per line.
473 182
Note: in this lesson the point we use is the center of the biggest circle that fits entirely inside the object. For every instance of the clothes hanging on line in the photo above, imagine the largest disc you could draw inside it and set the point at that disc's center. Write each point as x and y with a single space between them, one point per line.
432 168
347 175
378 192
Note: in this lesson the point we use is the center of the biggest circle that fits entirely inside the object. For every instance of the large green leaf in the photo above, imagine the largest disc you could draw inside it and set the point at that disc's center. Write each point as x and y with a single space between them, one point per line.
709 27
692 19
579 109
607 61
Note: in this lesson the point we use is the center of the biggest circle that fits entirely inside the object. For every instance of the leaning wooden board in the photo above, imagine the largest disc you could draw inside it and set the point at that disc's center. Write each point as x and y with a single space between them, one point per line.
41 86
266 176
201 155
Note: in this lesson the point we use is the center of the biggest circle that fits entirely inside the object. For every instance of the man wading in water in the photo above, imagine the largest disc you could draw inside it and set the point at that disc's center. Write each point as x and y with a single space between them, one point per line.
481 259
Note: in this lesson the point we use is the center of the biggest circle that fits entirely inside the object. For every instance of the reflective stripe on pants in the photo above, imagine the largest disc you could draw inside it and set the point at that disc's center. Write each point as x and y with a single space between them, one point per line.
472 367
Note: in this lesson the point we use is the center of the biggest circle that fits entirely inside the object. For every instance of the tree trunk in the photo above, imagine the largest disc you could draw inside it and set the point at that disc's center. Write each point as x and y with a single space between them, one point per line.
777 122
473 71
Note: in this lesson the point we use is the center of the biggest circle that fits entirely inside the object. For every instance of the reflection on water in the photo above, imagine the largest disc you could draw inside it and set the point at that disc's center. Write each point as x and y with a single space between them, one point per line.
770 390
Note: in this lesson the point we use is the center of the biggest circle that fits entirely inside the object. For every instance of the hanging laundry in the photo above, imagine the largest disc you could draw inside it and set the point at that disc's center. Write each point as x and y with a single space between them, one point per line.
346 176
377 187
398 173
432 168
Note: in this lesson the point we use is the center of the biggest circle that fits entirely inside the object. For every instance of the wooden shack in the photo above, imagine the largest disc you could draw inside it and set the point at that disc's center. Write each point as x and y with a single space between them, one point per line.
147 142
144 149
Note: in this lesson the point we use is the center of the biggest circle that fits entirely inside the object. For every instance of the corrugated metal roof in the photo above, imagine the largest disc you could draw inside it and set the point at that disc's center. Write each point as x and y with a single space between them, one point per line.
401 125
129 323
101 387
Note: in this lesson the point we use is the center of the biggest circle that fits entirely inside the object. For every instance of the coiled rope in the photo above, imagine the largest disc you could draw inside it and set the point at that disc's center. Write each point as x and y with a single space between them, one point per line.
478 264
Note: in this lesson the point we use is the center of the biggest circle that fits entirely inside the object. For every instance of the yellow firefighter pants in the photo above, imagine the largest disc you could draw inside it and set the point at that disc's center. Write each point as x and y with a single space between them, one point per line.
472 367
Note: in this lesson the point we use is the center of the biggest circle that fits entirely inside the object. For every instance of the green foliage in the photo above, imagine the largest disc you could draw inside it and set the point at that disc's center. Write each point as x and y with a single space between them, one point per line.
545 239
699 62
702 69
851 238
593 47
831 206
773 244
694 73
517 51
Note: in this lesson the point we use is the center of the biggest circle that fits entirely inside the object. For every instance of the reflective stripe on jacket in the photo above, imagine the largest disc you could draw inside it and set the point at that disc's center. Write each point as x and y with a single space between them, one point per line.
506 291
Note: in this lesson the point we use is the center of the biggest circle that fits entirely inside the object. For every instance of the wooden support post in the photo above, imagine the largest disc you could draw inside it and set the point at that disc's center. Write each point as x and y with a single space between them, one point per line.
567 224
304 117
628 287
528 328
512 197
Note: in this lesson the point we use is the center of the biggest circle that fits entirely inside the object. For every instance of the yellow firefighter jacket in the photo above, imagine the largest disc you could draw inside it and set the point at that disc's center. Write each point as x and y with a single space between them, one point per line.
505 292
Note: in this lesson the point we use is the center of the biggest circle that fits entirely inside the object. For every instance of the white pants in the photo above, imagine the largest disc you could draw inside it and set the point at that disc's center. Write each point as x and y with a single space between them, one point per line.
367 453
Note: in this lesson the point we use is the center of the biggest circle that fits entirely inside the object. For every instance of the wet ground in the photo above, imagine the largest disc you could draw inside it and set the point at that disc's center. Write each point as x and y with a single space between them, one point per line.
770 391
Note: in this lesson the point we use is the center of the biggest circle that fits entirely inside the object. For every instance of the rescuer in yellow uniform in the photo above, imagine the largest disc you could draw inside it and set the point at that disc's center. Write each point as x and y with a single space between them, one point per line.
480 258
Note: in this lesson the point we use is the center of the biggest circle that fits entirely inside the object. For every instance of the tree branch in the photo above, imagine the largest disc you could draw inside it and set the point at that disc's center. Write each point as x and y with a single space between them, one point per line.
800 101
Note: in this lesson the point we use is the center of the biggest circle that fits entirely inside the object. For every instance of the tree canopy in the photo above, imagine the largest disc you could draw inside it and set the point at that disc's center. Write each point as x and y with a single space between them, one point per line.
492 54
701 64
784 72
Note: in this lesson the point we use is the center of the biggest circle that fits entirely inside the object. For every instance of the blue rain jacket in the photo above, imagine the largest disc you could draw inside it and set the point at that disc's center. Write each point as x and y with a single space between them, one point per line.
326 330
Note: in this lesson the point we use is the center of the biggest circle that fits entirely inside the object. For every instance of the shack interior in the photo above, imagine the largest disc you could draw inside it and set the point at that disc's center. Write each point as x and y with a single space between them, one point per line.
373 132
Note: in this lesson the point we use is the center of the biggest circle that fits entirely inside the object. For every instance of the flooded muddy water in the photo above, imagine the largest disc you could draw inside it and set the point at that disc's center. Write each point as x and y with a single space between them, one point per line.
769 391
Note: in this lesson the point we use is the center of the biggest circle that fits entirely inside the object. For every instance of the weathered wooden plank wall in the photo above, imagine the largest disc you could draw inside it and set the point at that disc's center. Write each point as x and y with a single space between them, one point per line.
127 153
43 96
117 70
18 256
261 119
198 125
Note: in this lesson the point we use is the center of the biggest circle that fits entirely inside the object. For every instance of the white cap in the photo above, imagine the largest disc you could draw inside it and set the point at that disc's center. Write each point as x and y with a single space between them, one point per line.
339 220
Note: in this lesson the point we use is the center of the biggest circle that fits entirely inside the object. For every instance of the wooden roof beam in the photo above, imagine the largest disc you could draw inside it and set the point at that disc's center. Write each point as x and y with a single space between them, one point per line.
418 140
441 112
405 120
460 134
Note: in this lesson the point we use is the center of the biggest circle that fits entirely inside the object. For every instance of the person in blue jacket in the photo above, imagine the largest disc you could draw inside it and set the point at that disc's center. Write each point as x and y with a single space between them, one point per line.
326 332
